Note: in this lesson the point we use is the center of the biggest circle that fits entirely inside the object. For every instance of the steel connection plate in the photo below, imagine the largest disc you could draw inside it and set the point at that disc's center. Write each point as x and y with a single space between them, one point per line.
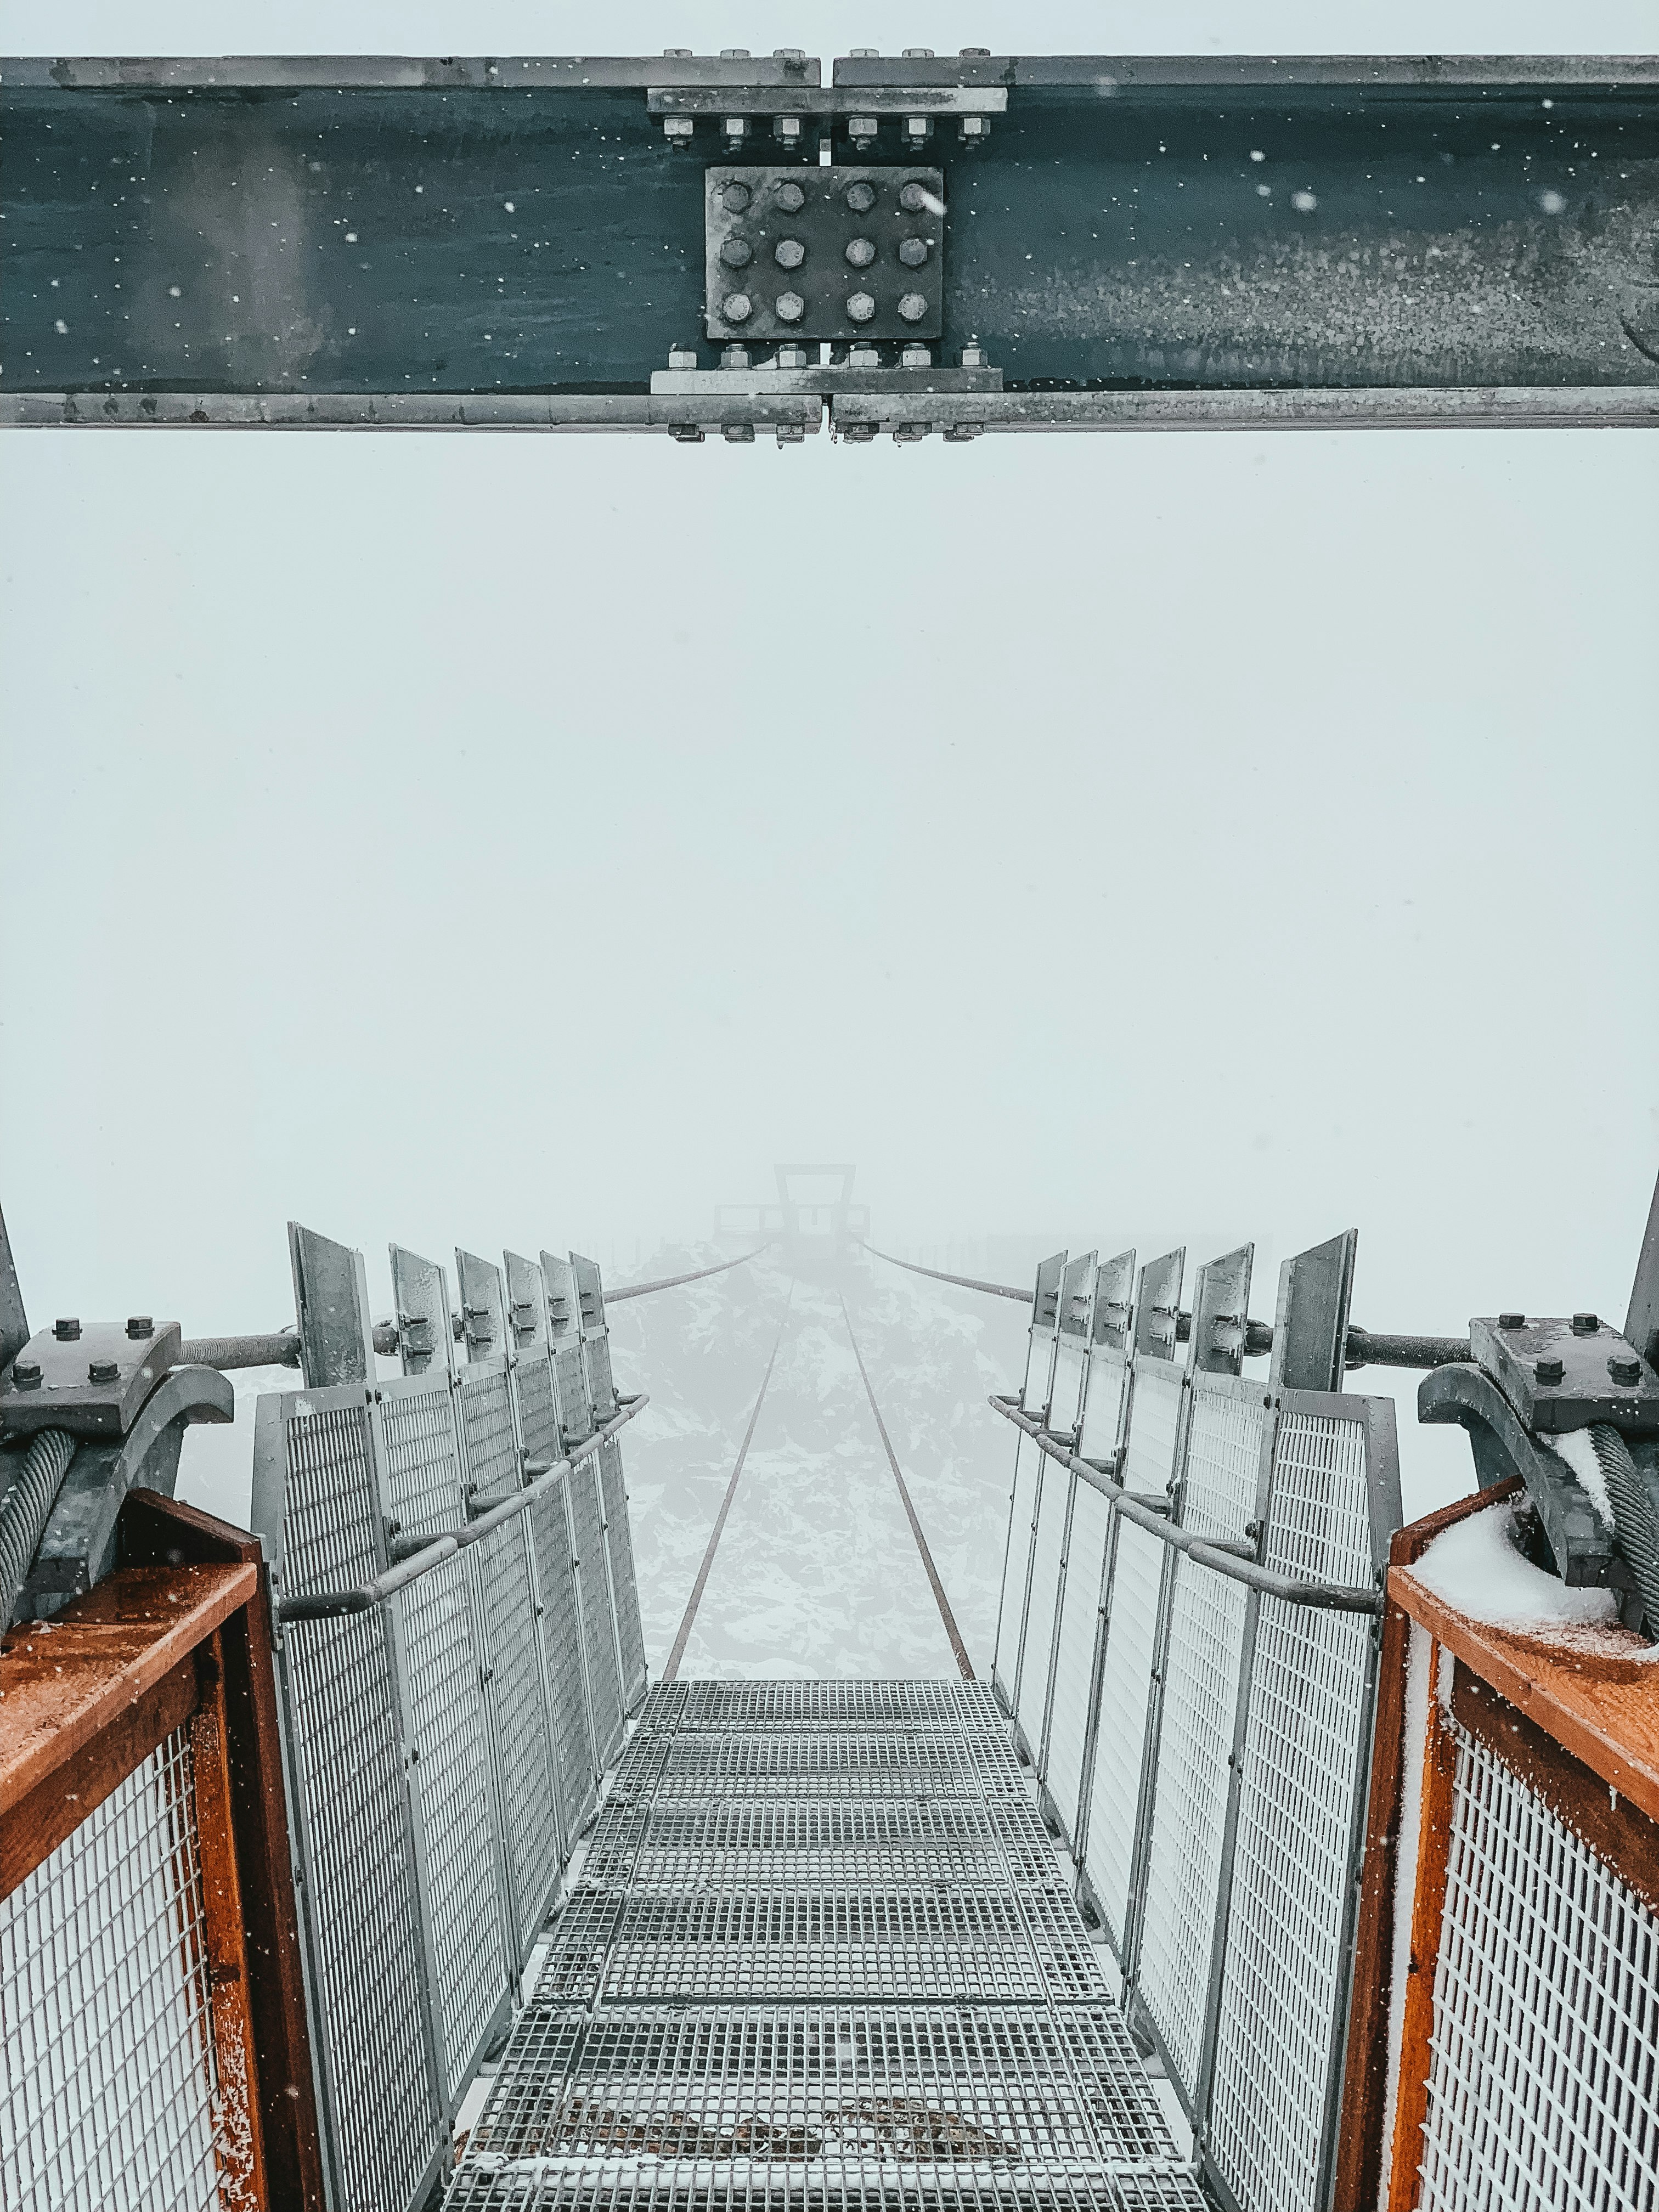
789 262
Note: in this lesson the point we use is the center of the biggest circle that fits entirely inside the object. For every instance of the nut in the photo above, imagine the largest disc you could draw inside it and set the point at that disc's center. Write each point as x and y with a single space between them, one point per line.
860 252
677 129
909 433
913 198
791 357
917 129
863 356
973 356
1549 1372
1625 1371
860 197
738 434
916 356
682 356
735 198
1511 1321
974 130
861 130
26 1374
735 356
789 308
1586 1324
789 253
790 198
735 129
140 1325
737 307
861 308
913 251
102 1370
66 1331
786 128
737 254
913 306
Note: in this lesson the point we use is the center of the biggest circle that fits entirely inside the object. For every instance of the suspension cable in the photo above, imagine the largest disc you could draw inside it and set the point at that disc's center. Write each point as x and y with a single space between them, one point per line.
961 1282
964 1664
670 1671
673 1282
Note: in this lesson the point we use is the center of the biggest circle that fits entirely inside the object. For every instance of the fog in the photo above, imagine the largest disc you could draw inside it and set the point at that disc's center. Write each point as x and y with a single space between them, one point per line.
1117 839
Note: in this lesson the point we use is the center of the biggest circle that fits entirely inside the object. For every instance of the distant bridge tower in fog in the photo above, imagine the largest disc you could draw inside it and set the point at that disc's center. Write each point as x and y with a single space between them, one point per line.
814 1217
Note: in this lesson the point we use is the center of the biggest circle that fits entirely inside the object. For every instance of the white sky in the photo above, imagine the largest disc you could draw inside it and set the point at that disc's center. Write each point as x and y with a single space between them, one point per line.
489 839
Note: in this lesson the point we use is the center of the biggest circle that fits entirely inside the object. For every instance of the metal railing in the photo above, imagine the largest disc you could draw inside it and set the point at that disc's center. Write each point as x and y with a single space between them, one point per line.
458 1645
1187 1649
155 2056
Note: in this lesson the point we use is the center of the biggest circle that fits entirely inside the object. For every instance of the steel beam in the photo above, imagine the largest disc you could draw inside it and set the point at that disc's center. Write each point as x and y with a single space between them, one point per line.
1127 242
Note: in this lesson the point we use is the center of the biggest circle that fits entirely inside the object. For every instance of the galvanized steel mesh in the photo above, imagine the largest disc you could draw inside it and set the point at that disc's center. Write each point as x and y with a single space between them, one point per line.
111 2095
1203 1747
1543 2088
765 1992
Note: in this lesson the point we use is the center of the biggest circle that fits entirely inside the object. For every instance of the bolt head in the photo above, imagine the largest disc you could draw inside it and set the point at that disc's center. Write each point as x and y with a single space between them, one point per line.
1549 1372
861 308
961 433
972 127
860 252
913 198
1511 1321
735 128
735 356
737 307
66 1330
681 357
738 434
791 356
916 356
913 251
859 434
863 356
973 356
909 433
917 53
789 308
685 434
677 129
973 53
26 1374
917 128
787 127
1625 1371
676 53
737 254
140 1325
789 253
102 1370
1586 1324
913 306
860 197
790 198
735 198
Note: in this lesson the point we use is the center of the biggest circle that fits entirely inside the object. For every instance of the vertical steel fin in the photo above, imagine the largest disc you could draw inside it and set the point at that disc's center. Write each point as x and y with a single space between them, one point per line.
331 1302
1311 1325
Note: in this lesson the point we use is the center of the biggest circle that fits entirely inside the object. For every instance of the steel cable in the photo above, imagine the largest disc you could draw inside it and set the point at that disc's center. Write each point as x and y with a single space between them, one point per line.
26 1509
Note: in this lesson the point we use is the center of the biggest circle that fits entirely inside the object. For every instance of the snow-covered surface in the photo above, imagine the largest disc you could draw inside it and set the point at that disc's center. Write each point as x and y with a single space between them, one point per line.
1579 1454
1476 1566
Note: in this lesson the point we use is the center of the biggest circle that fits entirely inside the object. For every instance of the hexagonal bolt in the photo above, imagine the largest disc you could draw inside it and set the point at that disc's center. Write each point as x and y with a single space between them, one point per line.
735 129
677 129
102 1370
737 307
860 252
682 356
911 434
66 1330
918 129
676 53
685 434
974 130
735 198
789 53
1549 1371
25 1375
1626 1371
792 434
974 53
913 251
914 198
789 308
735 54
861 130
790 198
917 53
975 356
140 1325
858 434
961 433
861 308
787 129
735 356
791 356
789 253
913 306
737 254
1511 1321
860 197
738 433
916 356
863 356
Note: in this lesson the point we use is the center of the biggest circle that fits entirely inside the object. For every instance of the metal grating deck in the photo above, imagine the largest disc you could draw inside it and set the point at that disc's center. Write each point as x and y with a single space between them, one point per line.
821 1954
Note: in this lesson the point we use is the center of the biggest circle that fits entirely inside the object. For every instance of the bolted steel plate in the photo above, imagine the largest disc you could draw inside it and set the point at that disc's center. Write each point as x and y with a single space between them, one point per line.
811 253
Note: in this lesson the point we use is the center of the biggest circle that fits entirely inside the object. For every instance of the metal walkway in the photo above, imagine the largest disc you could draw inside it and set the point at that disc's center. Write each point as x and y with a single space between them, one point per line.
821 1952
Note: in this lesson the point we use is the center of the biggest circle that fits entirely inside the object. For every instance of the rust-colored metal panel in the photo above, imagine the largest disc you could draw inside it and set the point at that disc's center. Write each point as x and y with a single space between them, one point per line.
1434 1838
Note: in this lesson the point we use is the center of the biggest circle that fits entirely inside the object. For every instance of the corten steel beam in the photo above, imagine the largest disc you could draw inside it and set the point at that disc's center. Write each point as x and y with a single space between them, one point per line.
1120 243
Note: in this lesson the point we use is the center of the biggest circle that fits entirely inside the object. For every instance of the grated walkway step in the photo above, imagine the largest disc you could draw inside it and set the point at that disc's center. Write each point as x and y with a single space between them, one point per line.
821 1955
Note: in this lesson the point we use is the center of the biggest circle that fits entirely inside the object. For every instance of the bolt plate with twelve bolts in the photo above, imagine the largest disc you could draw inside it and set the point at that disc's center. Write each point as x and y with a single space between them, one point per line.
815 254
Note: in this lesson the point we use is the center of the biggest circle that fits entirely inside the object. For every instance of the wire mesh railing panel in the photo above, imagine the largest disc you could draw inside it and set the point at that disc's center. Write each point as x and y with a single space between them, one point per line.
1047 1548
570 1394
598 1633
538 1419
1074 1653
624 1586
111 2096
1103 1407
1016 1566
1284 1975
526 1757
1154 1426
484 1397
601 1389
563 1655
1543 2088
1197 1716
1137 1571
1065 1398
351 1803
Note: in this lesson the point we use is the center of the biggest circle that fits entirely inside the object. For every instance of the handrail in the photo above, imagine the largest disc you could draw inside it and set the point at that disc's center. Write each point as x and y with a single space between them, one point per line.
1293 1590
961 1282
431 1552
673 1282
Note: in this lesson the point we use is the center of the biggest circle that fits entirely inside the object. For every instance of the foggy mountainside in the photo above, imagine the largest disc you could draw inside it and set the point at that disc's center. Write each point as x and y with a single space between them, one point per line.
817 1572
